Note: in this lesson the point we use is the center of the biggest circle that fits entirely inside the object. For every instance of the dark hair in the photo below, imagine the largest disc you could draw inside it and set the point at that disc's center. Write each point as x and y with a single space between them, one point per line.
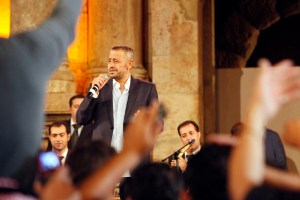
127 51
58 124
155 181
77 96
87 157
206 173
185 123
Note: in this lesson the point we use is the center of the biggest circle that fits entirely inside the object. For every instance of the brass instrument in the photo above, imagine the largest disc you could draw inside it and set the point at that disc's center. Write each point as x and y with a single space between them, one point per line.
181 152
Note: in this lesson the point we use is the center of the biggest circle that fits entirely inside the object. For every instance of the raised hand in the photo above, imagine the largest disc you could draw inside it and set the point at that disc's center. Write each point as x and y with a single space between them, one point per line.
59 187
100 81
140 135
277 85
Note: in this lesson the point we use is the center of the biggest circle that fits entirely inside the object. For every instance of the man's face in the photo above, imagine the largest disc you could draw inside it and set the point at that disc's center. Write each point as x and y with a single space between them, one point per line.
74 107
59 138
187 133
118 66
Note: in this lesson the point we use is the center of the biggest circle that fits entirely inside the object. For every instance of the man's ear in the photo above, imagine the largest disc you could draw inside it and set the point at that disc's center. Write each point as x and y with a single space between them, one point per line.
129 64
199 133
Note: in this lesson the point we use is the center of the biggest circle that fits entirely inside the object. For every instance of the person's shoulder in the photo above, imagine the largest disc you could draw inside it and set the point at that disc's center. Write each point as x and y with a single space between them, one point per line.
271 133
142 82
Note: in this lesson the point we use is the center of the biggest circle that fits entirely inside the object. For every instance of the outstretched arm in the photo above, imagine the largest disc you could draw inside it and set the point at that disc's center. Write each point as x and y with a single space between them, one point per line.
275 86
282 179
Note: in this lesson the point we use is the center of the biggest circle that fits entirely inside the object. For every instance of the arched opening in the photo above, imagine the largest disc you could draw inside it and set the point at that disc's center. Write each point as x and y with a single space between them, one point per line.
278 42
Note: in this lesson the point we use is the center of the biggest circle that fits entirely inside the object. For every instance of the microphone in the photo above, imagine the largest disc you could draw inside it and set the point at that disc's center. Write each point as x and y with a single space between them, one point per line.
191 141
94 90
181 151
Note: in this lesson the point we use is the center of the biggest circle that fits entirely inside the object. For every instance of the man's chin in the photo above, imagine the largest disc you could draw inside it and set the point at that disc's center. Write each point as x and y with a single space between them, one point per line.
192 148
112 75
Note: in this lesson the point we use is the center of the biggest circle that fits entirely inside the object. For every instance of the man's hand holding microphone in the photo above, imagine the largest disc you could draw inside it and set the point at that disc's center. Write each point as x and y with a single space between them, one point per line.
97 84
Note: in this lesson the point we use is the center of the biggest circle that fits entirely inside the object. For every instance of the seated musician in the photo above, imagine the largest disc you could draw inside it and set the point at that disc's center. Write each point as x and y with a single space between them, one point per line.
190 135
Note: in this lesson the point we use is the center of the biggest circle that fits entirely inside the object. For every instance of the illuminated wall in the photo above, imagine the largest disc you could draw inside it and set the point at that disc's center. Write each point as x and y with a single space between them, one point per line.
78 52
5 18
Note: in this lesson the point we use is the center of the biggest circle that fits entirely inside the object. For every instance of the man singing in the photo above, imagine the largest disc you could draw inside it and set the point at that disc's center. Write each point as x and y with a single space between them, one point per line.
117 100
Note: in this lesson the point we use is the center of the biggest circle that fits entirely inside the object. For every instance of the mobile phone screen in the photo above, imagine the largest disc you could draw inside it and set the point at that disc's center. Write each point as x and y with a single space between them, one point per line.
47 163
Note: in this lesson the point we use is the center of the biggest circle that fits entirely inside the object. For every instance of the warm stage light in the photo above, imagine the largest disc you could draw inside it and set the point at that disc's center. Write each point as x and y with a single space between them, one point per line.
78 51
5 18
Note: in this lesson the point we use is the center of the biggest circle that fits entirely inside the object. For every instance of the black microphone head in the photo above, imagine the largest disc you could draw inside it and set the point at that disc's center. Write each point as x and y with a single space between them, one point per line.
191 141
93 90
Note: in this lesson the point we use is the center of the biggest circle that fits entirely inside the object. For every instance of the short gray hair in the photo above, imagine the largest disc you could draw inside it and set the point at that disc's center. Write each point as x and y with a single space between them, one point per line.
127 51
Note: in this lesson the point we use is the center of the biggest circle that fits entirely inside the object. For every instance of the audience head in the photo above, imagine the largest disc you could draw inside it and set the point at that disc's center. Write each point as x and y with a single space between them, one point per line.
74 104
86 158
155 181
206 174
189 130
59 136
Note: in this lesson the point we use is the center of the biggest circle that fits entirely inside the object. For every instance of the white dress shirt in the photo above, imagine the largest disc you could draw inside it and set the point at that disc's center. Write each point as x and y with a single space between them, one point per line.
119 108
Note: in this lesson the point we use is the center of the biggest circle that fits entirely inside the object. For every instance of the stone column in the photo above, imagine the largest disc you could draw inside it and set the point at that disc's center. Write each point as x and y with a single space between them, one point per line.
27 14
209 76
176 65
114 23
61 87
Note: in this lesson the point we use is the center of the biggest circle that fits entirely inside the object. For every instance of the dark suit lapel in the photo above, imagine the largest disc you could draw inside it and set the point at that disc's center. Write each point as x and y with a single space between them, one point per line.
131 99
107 97
68 124
86 133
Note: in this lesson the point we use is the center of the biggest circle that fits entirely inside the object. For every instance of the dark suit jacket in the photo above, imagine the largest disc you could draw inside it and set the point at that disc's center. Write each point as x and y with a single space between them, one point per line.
99 111
85 135
275 154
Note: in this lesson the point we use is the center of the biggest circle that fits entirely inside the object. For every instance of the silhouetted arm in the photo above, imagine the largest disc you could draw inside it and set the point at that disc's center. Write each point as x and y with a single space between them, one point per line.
275 86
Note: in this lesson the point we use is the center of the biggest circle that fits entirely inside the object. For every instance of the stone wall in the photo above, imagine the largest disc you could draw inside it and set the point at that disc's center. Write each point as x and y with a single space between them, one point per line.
175 50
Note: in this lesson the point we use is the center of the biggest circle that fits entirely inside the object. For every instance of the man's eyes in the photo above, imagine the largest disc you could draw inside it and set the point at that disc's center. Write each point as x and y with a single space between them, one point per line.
113 61
61 135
